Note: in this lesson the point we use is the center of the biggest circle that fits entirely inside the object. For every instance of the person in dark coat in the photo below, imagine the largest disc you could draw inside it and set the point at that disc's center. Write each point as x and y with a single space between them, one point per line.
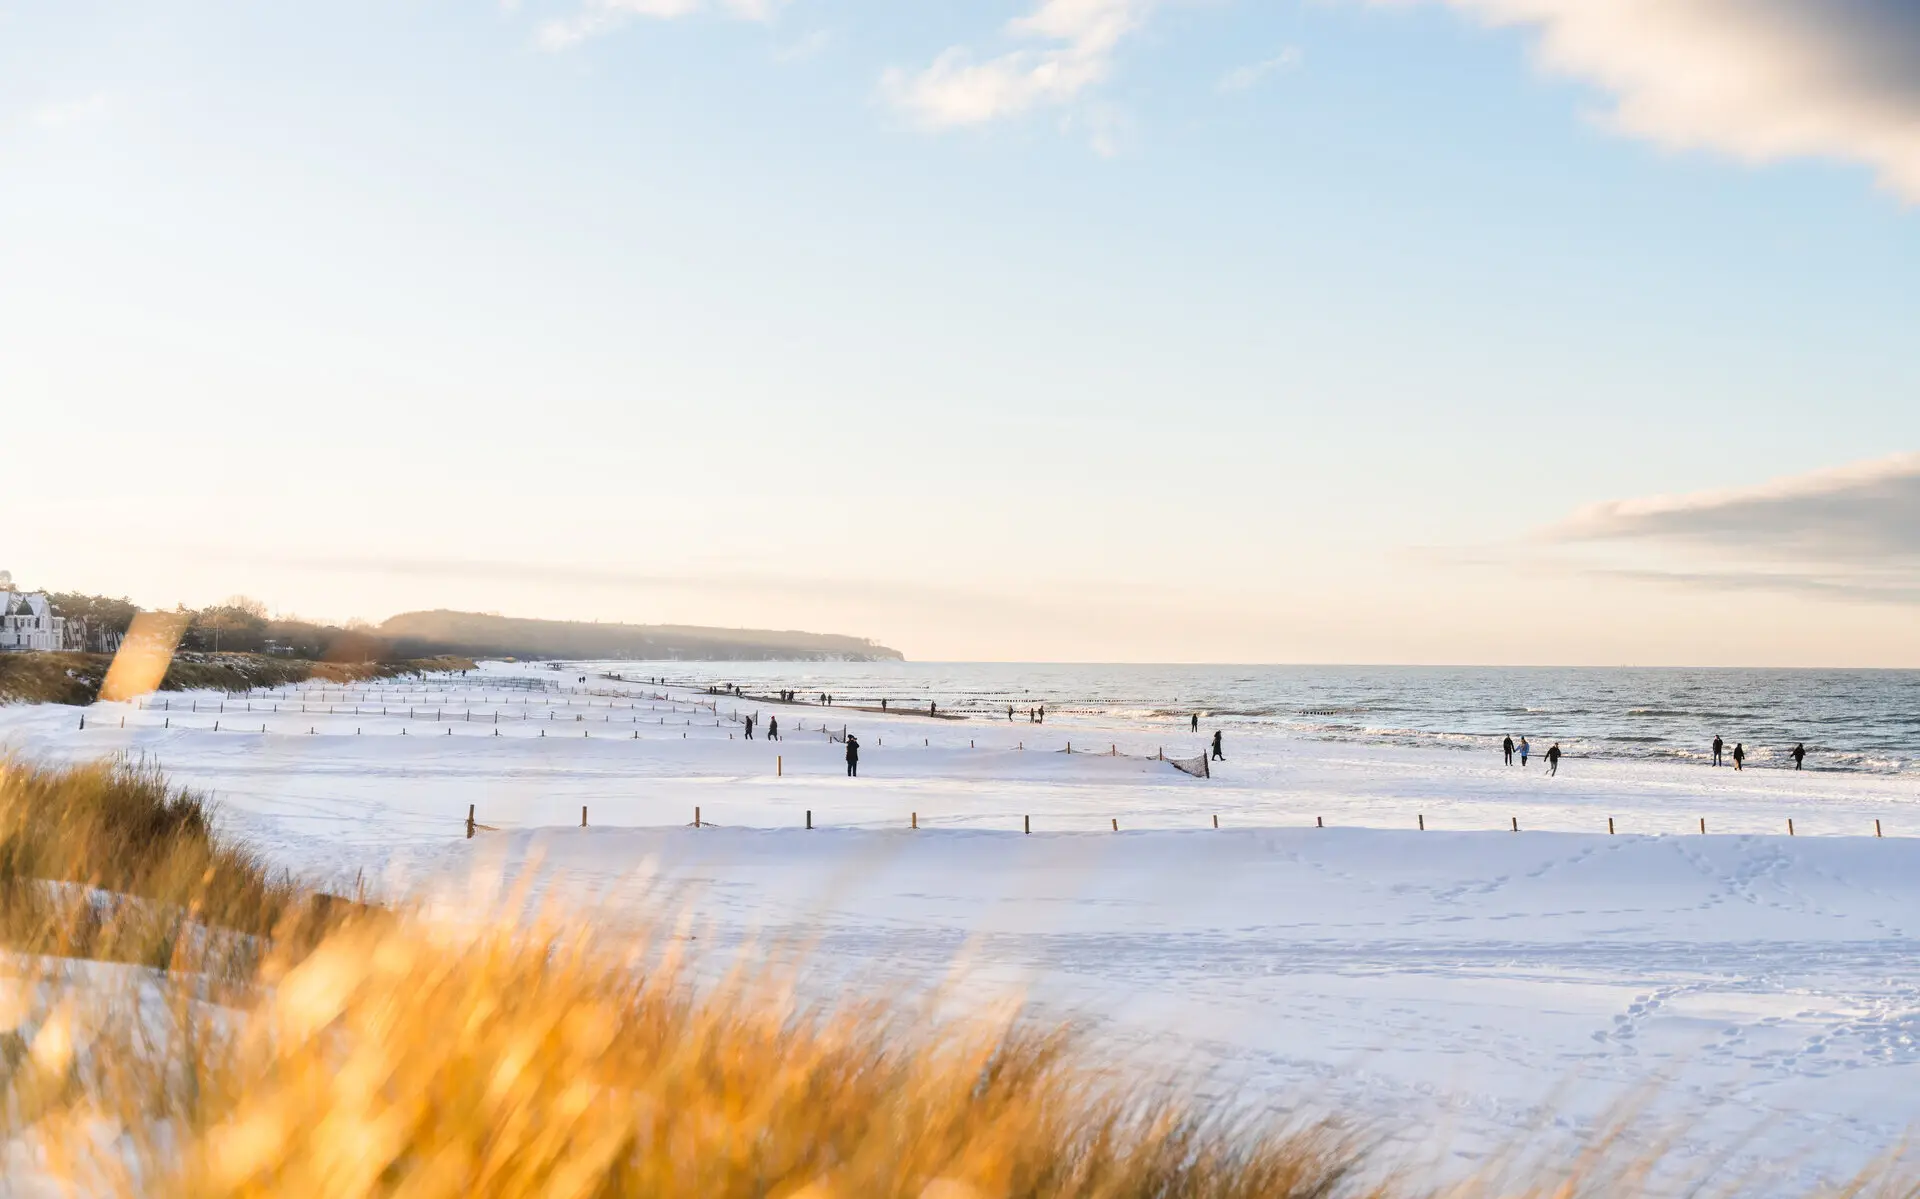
1196 722
1218 754
853 756
1553 758
773 728
1717 743
1799 755
1739 756
1506 747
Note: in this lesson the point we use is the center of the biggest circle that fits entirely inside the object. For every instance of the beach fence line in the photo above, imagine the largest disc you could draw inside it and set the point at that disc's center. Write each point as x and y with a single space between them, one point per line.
1073 824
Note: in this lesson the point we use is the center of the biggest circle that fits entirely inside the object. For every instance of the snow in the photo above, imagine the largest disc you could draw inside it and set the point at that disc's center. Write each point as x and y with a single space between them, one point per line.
1465 985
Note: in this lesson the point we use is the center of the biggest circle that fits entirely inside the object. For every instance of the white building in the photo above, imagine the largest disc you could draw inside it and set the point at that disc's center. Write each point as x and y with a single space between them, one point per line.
27 622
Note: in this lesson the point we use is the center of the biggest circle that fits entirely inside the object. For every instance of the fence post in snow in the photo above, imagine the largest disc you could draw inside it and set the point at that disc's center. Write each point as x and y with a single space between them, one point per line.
1789 826
1516 824
809 817
469 822
1319 822
1703 826
1876 828
1609 826
583 815
696 816
1026 824
779 765
1116 824
1423 822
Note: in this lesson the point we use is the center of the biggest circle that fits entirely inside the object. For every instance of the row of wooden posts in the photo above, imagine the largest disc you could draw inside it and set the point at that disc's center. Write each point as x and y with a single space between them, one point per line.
1026 822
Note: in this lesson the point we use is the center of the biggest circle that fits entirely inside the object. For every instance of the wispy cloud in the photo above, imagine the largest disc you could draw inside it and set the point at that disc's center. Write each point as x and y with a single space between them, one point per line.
1851 532
1246 78
62 114
1077 41
1763 80
604 16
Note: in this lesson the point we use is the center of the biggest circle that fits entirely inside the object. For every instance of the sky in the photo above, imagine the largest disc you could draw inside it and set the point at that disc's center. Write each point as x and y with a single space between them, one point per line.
1489 331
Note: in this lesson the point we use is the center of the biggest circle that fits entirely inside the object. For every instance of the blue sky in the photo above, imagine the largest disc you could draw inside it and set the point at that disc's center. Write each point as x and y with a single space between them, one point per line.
1082 329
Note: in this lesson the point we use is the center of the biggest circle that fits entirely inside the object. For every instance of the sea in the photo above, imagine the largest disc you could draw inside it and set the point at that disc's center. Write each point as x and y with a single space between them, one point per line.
1853 720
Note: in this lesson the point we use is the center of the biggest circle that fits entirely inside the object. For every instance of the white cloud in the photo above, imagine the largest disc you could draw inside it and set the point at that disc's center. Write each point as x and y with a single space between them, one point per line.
1081 37
1759 79
1852 531
1242 79
602 16
61 114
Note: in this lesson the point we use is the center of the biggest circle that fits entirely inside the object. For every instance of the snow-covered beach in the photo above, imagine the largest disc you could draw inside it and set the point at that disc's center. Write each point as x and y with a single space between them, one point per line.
1463 978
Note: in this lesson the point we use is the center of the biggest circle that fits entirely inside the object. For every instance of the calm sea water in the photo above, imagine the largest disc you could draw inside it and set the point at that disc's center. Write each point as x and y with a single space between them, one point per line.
1849 719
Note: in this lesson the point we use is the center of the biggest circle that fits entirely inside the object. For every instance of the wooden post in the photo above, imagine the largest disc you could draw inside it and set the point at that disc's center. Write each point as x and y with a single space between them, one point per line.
1703 826
83 722
1609 826
1876 828
1789 826
916 820
1423 822
1027 824
583 815
779 764
1516 824
1319 822
469 822
696 816
809 817
1116 824
1216 820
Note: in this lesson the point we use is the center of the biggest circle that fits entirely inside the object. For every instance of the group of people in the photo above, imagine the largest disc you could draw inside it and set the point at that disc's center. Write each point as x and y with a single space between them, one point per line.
1510 749
1739 756
1034 715
773 726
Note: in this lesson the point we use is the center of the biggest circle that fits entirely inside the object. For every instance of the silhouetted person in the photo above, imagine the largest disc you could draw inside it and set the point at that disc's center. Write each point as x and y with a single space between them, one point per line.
1739 756
1009 713
1799 755
883 705
1553 759
1506 747
1218 755
853 756
933 709
1196 722
1717 743
1524 749
749 728
1043 713
773 728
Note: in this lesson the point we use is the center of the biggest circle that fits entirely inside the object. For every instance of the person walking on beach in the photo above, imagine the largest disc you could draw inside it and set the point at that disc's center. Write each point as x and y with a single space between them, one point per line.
773 728
1525 749
1009 713
1739 756
749 728
1043 713
1553 759
1717 743
1218 755
1799 755
1196 722
1506 747
853 756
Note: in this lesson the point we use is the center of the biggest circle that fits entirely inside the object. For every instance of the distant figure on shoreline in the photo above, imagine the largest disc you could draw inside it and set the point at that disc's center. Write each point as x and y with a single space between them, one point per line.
853 756
1196 722
773 728
1043 713
1553 759
1506 747
1739 756
1218 754
1525 749
1009 713
1717 743
883 703
1799 755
